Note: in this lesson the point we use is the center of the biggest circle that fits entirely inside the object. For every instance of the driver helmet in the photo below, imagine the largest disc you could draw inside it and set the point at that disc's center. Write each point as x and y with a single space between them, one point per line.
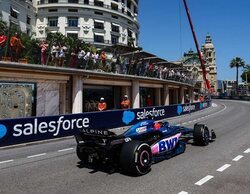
102 99
157 125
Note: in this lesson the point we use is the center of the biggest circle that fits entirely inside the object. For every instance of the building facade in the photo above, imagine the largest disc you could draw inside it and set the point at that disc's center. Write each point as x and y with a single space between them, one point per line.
192 63
99 22
20 14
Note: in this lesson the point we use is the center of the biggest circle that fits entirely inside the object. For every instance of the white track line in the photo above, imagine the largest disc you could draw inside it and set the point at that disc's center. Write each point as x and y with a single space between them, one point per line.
247 151
224 167
183 192
64 150
6 161
237 158
204 180
37 155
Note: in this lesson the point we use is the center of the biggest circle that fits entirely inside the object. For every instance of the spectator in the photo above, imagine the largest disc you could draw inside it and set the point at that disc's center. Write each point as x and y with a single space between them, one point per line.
3 39
63 49
125 104
55 53
102 105
201 99
149 101
44 47
187 99
73 58
81 60
15 47
103 58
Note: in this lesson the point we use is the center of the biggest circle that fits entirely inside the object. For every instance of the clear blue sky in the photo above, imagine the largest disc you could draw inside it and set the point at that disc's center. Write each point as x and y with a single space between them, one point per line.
165 31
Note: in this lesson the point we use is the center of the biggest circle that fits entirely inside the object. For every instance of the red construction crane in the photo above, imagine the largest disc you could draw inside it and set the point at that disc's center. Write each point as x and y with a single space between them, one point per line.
204 72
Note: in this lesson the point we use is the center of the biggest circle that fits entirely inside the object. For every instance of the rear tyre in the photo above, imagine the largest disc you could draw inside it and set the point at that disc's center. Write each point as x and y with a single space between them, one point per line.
201 135
136 158
83 156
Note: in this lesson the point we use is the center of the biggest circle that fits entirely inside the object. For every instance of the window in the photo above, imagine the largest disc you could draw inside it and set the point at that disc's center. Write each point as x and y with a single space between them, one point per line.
114 39
52 10
28 20
14 13
72 21
129 33
129 14
52 1
99 37
53 21
115 27
98 13
114 6
114 16
86 1
98 24
72 10
73 1
129 4
98 3
28 31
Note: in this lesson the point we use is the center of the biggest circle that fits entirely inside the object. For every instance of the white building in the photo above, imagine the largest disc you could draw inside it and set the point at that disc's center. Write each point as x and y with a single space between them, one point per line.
100 22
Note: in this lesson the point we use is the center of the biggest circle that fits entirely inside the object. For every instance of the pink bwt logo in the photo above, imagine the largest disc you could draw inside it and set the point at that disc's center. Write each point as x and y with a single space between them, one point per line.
165 144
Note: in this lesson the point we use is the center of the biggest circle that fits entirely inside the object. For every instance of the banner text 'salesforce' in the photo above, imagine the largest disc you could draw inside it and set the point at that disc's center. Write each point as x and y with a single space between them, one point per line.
53 127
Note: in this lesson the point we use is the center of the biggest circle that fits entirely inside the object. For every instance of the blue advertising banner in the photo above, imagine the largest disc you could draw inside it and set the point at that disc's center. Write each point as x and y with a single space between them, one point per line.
24 130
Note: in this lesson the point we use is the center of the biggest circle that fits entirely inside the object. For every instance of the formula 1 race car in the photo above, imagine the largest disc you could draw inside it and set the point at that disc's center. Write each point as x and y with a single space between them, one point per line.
136 149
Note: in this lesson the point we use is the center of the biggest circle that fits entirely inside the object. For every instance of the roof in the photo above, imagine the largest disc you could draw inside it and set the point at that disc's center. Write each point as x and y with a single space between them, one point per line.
120 49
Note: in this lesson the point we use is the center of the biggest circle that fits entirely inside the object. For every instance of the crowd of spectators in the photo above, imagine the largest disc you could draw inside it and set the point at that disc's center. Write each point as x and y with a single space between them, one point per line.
63 55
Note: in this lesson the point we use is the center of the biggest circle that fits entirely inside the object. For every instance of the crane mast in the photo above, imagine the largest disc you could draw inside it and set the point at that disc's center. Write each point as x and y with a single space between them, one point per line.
204 72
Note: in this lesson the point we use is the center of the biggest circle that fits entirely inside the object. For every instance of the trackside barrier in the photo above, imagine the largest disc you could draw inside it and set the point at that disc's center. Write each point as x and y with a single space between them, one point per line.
24 130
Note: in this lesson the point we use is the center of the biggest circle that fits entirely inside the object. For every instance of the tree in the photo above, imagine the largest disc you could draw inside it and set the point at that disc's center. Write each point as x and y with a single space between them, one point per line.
246 73
236 63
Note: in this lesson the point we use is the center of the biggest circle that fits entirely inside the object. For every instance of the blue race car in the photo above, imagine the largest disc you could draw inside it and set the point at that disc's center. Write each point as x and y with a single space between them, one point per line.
136 149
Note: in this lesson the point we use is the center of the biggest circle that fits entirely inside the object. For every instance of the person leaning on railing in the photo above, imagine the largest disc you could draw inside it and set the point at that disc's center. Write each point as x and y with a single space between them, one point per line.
3 39
15 47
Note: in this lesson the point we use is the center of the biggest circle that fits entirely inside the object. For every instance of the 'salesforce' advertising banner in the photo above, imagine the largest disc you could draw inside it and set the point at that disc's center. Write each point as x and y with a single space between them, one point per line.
24 130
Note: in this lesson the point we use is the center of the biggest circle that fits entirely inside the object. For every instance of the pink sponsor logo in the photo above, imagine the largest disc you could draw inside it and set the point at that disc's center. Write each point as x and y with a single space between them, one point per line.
165 145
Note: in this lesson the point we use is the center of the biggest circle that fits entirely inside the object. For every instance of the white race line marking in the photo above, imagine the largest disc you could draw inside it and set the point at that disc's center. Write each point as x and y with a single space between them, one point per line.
183 192
33 156
205 179
237 158
247 151
6 161
194 120
64 150
224 167
178 125
184 123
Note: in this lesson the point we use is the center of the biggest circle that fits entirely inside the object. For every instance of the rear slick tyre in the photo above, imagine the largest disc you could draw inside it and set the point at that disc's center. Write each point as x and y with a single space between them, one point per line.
136 158
83 156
